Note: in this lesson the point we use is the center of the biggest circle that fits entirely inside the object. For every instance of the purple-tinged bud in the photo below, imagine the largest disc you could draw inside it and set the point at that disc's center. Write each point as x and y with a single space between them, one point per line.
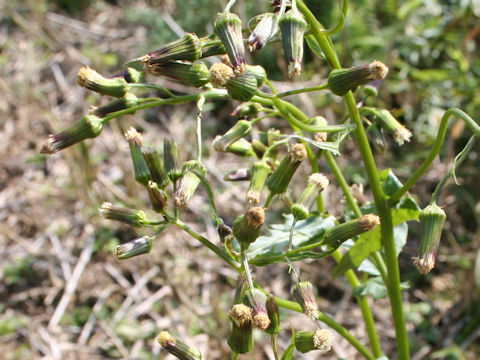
228 28
277 4
91 80
303 293
257 301
134 248
177 347
432 219
132 217
371 88
155 165
225 233
220 73
338 234
265 30
242 87
191 74
260 172
157 198
316 184
274 316
292 26
188 182
341 81
134 138
246 110
247 228
306 341
170 159
124 103
240 338
89 127
239 130
237 175
278 182
186 48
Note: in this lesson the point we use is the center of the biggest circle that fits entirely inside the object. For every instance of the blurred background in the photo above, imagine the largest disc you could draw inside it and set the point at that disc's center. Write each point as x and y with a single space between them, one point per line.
64 295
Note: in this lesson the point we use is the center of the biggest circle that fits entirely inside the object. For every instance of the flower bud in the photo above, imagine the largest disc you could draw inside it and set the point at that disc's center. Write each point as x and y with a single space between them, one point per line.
260 172
259 73
134 248
400 132
228 28
266 29
142 174
274 316
241 147
126 102
246 110
278 182
306 341
220 73
128 216
157 198
258 148
186 48
177 347
154 163
320 136
89 127
292 26
91 80
211 46
132 76
242 87
257 301
239 130
237 175
303 293
371 88
170 159
316 184
247 228
225 233
188 182
277 4
191 74
341 81
240 338
432 219
338 234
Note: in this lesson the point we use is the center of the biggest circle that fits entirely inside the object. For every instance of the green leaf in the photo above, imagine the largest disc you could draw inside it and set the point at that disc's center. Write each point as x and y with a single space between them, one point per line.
390 182
264 250
288 354
374 287
313 45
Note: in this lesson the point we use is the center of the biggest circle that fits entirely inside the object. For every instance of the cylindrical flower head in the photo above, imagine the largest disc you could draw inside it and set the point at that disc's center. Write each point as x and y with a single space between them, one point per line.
134 248
320 136
154 163
389 123
266 29
134 138
241 147
259 148
246 110
432 219
341 81
303 293
126 102
242 87
157 198
186 48
260 172
91 80
247 228
220 73
128 216
89 127
170 159
338 234
316 184
188 182
211 46
177 347
259 73
292 25
274 316
191 74
228 28
239 130
240 338
257 301
278 182
306 341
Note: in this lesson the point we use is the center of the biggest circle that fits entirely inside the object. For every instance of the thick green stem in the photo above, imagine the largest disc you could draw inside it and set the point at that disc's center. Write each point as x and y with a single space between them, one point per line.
442 130
384 212
330 322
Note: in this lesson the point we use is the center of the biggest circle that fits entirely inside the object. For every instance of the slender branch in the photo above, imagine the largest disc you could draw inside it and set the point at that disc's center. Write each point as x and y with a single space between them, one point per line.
299 91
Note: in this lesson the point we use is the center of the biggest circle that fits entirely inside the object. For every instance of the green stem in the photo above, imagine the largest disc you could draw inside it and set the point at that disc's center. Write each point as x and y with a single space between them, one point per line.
442 130
154 86
299 91
200 103
331 323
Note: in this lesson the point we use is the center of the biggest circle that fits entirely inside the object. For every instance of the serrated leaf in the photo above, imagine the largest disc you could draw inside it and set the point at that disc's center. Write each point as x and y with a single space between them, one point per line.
305 232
